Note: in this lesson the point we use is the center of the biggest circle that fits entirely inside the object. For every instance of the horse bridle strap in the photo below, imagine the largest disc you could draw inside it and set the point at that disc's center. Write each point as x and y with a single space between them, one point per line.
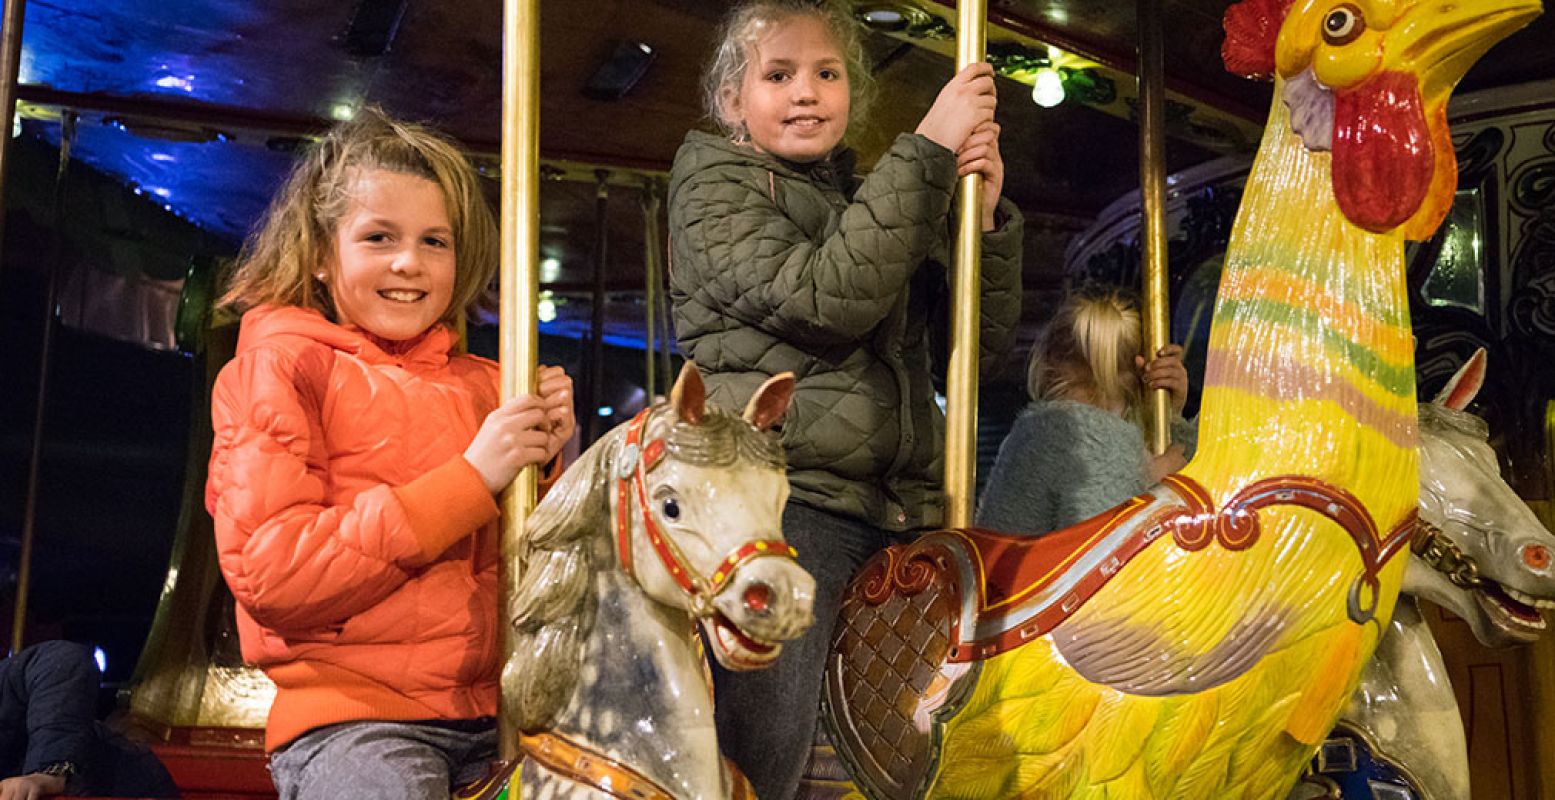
633 464
604 774
582 765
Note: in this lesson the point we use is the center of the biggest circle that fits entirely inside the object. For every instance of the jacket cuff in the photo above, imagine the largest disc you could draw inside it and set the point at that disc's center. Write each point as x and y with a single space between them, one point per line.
1004 241
445 505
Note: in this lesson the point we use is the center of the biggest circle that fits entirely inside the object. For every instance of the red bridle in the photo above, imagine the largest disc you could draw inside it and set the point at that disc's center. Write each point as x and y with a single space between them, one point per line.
634 462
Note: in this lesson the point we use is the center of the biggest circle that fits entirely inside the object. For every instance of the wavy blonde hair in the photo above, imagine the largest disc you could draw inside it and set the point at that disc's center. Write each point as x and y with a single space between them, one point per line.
748 22
1087 353
280 258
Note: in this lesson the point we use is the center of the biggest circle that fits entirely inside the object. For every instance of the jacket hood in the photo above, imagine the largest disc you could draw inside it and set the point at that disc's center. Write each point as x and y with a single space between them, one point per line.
703 150
431 349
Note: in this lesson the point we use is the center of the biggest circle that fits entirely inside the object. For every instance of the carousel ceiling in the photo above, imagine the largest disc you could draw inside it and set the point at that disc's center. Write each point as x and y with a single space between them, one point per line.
198 105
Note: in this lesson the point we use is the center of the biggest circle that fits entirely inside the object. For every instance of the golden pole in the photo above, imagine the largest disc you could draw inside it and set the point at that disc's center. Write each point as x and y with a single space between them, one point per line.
10 66
966 303
1152 193
67 139
520 340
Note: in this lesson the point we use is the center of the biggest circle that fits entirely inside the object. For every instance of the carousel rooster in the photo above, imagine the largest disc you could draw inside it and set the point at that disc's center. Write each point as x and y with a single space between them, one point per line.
1200 640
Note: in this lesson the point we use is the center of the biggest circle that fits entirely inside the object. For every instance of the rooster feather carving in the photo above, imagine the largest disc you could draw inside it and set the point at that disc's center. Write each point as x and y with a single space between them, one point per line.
1200 640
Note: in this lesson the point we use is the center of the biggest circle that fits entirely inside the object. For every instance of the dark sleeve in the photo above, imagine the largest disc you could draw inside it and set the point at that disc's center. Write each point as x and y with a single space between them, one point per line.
56 682
999 302
756 266
1001 287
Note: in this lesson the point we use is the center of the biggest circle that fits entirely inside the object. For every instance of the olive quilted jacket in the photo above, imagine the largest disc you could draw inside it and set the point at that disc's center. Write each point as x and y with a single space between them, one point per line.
780 266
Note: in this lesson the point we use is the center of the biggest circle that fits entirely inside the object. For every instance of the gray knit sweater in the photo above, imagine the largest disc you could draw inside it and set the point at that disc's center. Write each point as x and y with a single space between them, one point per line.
1065 462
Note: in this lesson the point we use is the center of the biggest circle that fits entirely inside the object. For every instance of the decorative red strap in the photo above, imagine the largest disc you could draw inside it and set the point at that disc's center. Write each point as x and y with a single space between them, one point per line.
634 461
746 552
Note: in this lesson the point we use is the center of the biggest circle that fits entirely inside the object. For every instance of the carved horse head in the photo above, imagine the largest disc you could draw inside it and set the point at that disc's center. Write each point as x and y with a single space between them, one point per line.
1492 558
687 500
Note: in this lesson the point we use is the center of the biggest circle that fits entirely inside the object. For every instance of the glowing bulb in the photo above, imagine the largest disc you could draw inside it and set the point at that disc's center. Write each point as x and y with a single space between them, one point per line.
884 17
16 125
546 309
342 112
1048 88
185 83
550 269
605 411
101 658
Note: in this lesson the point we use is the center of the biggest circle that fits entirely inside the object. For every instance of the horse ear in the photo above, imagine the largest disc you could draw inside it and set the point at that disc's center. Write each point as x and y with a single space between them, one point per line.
769 402
689 397
1460 390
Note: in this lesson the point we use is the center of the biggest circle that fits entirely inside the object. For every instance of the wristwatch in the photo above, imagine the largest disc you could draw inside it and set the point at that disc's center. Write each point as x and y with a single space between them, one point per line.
64 770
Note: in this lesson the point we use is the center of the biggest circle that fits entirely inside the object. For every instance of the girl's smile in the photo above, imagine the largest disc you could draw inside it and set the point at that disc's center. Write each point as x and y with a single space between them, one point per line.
393 261
794 99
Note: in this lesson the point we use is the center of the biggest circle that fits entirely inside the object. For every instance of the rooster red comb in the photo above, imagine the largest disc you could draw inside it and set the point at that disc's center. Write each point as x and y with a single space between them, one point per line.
1252 26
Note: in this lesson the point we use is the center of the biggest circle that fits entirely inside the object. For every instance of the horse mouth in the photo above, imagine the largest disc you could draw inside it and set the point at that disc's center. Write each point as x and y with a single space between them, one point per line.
1517 615
734 649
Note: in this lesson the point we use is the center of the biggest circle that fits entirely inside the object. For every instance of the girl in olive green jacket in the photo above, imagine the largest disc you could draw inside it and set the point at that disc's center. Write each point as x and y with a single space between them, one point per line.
782 261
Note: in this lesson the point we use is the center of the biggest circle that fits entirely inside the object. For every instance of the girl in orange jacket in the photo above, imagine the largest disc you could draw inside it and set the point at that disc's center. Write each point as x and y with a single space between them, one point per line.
357 452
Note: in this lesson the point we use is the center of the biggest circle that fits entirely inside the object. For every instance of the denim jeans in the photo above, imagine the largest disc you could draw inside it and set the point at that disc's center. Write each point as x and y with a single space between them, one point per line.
767 718
384 760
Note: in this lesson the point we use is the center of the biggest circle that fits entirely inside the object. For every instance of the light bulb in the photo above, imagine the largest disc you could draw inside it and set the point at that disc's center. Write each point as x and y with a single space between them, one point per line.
1047 88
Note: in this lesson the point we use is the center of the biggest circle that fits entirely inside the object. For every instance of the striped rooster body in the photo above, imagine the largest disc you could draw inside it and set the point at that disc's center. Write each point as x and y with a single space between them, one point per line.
1209 658
1310 374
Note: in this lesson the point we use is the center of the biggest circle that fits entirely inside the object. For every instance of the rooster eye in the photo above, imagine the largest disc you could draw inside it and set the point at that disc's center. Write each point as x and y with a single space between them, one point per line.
1343 25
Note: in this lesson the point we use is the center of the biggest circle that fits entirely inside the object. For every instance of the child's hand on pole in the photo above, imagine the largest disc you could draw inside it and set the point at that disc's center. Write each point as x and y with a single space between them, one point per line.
966 102
556 394
980 155
1166 371
513 436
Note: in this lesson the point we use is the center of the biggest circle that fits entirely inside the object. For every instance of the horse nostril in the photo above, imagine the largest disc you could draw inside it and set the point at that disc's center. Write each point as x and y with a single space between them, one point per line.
757 597
1536 556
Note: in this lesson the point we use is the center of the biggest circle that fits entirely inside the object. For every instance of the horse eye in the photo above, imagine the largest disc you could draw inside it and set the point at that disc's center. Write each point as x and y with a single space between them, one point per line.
1343 25
671 508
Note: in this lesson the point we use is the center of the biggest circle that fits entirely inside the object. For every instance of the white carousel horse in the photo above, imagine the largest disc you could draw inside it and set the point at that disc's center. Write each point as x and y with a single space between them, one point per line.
669 520
1482 555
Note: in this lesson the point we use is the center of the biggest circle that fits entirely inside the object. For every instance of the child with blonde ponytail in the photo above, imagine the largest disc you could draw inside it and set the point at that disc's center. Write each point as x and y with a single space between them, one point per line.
1079 448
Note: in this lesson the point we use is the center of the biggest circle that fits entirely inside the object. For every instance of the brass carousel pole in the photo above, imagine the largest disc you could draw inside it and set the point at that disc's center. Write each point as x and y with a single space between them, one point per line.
10 67
1152 194
966 311
653 283
67 139
520 341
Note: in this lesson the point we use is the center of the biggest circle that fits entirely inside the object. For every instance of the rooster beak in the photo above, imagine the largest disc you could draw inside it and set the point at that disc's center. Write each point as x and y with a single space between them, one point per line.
1441 39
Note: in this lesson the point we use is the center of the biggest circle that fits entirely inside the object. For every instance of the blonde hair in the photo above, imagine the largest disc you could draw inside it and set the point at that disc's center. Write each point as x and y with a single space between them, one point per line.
748 22
1087 353
280 258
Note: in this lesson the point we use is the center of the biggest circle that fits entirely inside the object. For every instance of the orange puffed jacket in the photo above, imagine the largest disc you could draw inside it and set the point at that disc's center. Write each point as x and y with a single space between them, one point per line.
344 516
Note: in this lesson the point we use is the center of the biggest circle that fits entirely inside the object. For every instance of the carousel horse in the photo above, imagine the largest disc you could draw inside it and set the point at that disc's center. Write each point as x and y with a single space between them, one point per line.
670 520
1479 553
1201 639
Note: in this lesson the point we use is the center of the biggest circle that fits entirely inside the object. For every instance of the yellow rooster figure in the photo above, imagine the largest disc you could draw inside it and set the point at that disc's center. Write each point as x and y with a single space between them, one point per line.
1200 640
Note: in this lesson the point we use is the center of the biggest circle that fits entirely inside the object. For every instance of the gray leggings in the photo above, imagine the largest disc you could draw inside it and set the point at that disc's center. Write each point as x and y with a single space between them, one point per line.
384 760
